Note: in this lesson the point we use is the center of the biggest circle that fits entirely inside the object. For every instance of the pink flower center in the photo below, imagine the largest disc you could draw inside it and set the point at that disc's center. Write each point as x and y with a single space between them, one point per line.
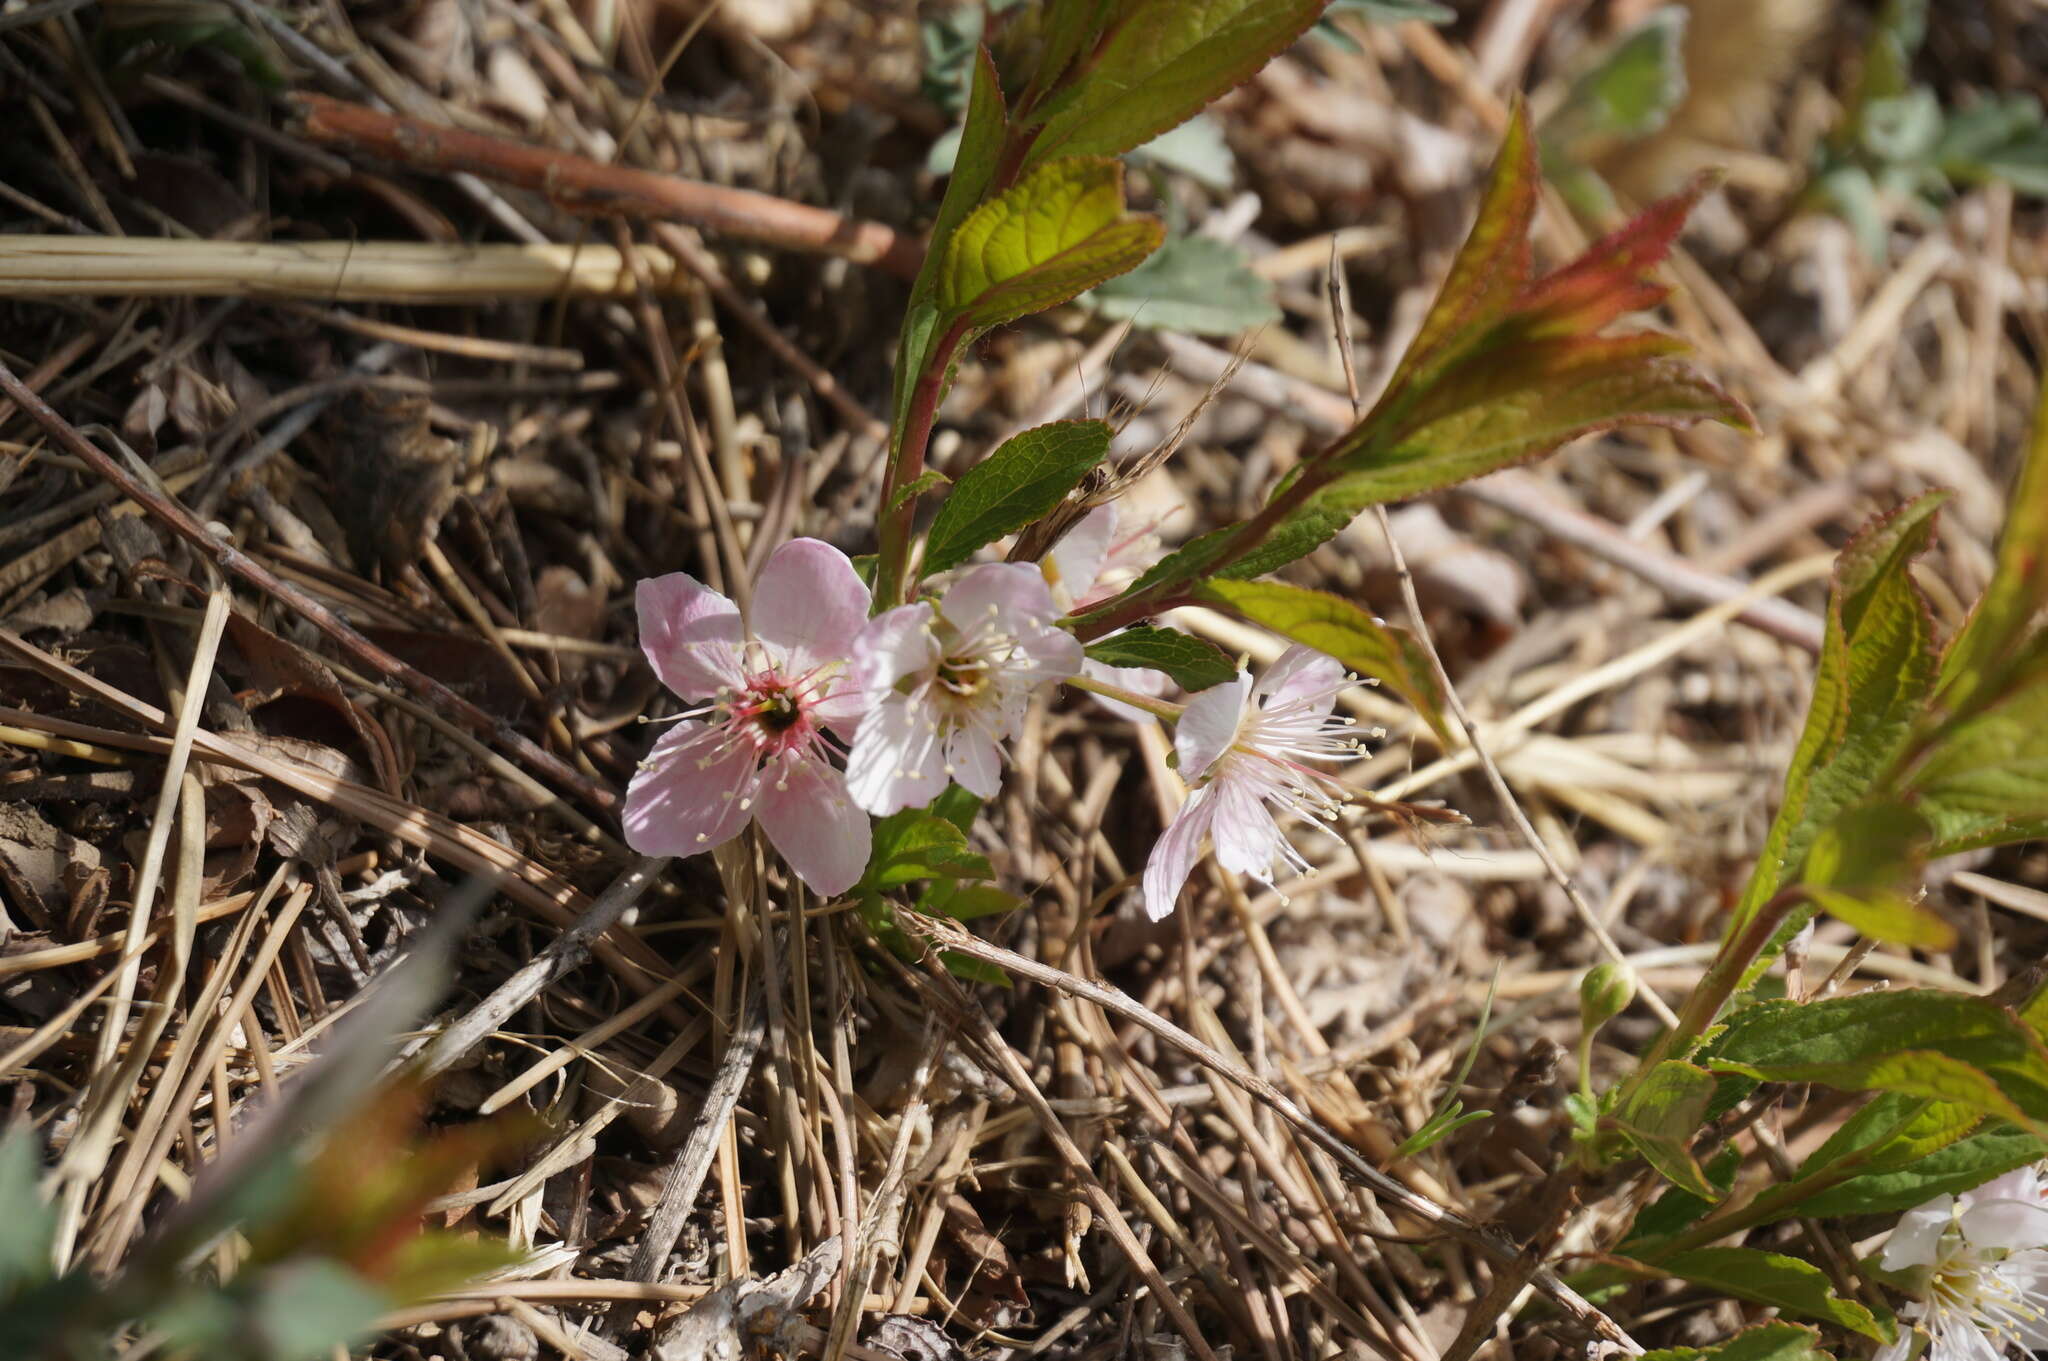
774 713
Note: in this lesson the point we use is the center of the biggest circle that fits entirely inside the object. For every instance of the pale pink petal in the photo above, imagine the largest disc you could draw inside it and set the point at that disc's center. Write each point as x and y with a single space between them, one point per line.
691 794
897 761
804 808
842 707
1209 725
1174 855
895 644
1076 560
1014 591
1138 680
690 633
809 603
975 762
1046 655
1302 675
1918 1234
1247 838
2022 1183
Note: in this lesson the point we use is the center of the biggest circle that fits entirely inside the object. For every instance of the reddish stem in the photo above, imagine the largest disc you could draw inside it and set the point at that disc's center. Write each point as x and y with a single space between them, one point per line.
907 465
578 184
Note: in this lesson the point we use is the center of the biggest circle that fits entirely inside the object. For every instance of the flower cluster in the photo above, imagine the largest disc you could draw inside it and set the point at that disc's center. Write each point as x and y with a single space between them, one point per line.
1979 1264
809 716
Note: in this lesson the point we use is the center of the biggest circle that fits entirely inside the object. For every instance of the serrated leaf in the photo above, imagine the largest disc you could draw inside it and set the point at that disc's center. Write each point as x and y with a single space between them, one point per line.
1985 782
1058 231
1192 283
1014 486
1955 1167
1888 917
1773 1341
1627 94
914 845
926 481
1339 629
1157 63
1774 1279
1193 663
1679 1208
1890 1132
1938 1045
1876 671
1665 1110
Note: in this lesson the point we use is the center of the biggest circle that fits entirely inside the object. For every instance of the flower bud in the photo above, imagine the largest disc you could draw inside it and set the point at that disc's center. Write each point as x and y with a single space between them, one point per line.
1605 993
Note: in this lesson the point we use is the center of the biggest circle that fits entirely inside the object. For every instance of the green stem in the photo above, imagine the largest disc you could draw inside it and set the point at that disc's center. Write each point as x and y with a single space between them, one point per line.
1718 984
1158 708
906 465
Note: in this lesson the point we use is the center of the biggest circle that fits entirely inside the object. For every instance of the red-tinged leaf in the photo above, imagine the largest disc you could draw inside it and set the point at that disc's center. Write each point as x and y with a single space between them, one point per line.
1610 280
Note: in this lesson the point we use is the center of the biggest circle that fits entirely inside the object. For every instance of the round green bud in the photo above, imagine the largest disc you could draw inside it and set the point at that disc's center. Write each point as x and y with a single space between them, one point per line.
1605 993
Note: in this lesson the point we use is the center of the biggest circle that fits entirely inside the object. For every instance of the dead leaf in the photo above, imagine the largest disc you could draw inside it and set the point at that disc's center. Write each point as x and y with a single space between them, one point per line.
751 1320
33 858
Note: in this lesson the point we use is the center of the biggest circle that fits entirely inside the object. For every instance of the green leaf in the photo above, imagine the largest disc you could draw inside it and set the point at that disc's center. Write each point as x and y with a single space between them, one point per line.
1155 64
30 1226
2000 137
1059 231
1888 917
1338 629
925 481
1193 664
1193 283
1664 1112
1196 149
1981 657
1030 474
1985 782
1396 11
1888 1133
1876 670
914 845
965 902
1679 1208
958 807
974 167
1972 1161
972 969
1627 94
1774 1279
1773 1341
1938 1045
304 1310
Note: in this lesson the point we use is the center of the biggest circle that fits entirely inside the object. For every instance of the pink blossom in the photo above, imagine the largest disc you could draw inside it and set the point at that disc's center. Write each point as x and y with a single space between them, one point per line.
1242 748
1092 562
944 686
757 748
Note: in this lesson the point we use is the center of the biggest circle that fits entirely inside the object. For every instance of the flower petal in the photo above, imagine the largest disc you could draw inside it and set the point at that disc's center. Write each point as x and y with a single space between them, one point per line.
809 603
1014 591
691 794
1076 560
1918 1234
895 644
1045 655
1174 855
2002 1222
690 633
975 762
1301 675
1248 839
805 809
897 761
1209 725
